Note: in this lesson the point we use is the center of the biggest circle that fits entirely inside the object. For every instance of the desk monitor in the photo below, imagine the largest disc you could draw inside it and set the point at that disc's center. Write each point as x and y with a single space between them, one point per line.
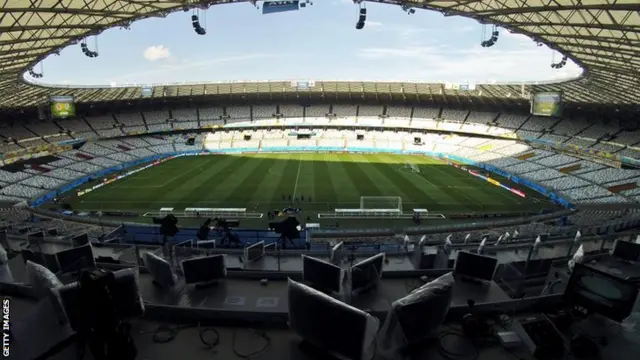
186 244
600 293
76 259
475 266
160 270
80 240
271 247
626 250
204 270
367 273
254 252
337 253
206 244
321 275
335 329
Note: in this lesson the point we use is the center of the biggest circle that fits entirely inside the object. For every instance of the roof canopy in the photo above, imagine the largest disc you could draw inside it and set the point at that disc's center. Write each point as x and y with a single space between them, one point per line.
602 36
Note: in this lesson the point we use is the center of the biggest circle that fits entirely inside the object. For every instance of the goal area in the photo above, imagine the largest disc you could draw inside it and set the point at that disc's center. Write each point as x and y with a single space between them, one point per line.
381 203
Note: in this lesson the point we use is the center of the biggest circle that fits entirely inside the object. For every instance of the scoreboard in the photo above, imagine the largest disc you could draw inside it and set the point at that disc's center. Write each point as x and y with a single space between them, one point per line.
62 106
546 104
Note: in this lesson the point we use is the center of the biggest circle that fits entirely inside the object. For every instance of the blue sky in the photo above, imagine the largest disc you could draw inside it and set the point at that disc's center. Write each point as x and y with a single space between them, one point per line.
318 42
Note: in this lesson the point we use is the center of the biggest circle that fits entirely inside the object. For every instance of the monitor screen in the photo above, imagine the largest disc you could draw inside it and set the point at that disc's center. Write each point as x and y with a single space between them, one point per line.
206 244
254 252
204 269
367 273
76 259
626 250
187 244
475 266
160 270
80 240
600 293
321 274
337 253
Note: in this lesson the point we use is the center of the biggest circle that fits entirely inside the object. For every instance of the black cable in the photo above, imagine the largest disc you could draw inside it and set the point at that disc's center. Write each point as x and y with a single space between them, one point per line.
453 355
164 334
260 334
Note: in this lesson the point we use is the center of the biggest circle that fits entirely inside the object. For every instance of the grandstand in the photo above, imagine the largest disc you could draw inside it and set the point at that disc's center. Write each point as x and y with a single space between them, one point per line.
381 166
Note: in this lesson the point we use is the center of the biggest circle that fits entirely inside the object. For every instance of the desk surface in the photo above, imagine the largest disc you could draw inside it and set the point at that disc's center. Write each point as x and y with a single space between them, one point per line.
284 344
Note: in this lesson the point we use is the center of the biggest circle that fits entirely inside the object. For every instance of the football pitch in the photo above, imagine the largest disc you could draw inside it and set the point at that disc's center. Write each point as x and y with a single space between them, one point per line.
326 181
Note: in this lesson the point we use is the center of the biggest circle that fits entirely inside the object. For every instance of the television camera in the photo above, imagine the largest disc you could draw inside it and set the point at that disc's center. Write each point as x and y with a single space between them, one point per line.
288 229
223 227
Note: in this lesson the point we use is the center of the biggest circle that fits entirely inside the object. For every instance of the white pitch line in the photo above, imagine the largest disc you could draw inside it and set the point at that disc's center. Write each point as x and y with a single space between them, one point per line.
295 188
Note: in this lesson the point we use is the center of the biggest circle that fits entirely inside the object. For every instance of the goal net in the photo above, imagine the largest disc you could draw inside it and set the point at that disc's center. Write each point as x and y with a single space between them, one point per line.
381 203
412 167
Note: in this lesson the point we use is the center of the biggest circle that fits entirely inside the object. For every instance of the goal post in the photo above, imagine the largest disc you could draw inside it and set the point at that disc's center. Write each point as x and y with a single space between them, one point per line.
383 203
412 167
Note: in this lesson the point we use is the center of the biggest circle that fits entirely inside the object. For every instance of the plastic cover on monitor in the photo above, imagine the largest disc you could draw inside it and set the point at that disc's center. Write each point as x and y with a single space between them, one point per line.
416 317
338 328
160 270
204 269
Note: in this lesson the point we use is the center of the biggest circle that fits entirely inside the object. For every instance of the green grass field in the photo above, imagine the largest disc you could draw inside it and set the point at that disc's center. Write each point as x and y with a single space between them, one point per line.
259 182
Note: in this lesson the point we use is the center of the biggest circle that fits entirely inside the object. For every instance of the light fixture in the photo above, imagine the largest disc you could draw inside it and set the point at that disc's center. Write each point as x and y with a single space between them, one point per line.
493 39
86 51
561 64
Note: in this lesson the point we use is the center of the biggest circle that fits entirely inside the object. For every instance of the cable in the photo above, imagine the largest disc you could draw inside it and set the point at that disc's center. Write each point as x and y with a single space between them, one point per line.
254 353
164 334
453 355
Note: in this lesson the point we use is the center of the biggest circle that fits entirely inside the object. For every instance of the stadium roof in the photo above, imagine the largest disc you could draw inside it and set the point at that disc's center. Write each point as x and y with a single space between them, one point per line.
602 36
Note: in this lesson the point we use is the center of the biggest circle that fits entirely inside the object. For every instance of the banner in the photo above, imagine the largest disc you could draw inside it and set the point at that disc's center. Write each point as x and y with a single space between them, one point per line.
272 7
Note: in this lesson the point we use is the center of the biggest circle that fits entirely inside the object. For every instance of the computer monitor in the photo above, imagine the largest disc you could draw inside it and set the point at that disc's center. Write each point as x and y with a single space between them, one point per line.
254 252
475 266
76 259
367 273
600 293
626 250
337 253
271 247
320 274
160 270
204 270
335 329
187 244
80 240
206 244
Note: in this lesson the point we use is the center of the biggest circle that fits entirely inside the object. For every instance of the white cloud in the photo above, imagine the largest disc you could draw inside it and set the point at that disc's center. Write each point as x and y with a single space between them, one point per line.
156 52
157 74
373 24
474 64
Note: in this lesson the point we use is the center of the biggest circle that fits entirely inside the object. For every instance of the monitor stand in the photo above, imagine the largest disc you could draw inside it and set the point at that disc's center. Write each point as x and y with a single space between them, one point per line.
206 285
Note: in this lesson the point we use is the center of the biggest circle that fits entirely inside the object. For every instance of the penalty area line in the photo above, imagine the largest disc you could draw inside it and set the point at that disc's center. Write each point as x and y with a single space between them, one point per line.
295 187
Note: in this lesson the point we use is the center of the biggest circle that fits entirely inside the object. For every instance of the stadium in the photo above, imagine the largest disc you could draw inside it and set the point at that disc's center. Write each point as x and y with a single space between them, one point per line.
152 178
